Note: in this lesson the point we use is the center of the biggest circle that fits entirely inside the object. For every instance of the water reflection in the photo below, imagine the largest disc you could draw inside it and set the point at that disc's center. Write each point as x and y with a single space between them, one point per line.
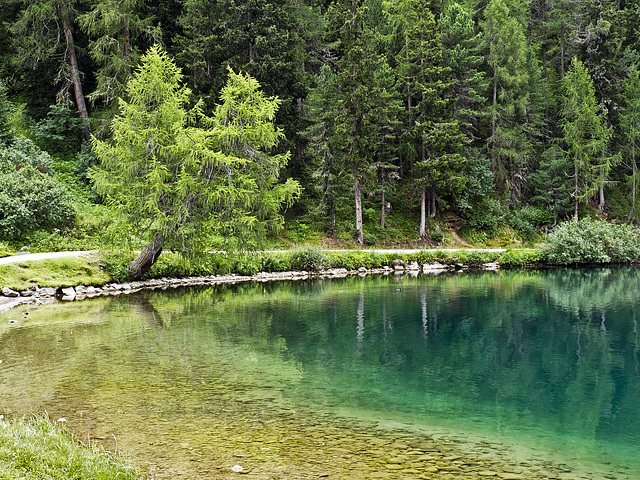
290 377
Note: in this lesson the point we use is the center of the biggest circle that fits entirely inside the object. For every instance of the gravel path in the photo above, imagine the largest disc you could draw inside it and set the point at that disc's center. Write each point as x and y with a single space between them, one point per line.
41 256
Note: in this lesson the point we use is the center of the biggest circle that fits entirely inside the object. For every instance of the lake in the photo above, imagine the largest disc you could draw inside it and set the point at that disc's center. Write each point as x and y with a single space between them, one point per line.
515 374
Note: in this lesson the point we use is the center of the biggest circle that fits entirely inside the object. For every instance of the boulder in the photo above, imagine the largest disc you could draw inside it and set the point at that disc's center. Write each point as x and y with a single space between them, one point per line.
68 292
7 292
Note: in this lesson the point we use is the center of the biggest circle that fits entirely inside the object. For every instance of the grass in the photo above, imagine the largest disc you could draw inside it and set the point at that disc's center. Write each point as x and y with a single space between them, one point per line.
71 271
37 449
59 272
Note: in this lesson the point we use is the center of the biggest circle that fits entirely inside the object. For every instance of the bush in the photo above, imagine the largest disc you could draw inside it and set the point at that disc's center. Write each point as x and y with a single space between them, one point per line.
309 259
437 236
589 241
84 161
527 219
22 152
30 200
61 131
520 258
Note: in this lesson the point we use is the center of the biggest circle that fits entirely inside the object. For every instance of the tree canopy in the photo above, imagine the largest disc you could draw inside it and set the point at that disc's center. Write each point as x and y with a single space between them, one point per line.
178 176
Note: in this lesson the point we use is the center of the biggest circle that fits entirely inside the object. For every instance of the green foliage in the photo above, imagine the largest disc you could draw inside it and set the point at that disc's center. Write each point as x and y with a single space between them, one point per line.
21 152
308 258
183 183
437 236
61 131
586 133
527 219
6 132
85 160
588 241
30 200
521 258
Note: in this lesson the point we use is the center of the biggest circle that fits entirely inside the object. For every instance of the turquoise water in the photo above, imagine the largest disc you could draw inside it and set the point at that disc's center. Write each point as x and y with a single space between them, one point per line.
519 374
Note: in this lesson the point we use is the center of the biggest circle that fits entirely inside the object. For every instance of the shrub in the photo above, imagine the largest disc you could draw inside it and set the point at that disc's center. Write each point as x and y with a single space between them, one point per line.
370 239
61 131
309 258
589 241
84 161
30 200
437 236
527 219
22 152
520 258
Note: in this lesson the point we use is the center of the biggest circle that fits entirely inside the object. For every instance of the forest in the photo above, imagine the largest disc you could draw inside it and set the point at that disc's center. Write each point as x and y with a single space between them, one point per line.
402 118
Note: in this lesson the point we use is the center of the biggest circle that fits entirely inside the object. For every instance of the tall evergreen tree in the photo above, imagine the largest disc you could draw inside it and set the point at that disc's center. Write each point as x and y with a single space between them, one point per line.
322 146
45 30
178 183
630 125
586 134
462 47
507 57
115 27
362 108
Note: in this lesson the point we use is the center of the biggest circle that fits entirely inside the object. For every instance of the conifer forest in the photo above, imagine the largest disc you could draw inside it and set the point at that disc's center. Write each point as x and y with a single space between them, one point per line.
391 114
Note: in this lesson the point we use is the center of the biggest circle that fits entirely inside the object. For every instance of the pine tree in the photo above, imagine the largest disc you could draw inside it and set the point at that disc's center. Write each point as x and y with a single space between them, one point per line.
362 112
462 54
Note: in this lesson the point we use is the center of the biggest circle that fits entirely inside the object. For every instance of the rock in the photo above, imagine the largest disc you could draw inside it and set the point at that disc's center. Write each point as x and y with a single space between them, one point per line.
80 289
68 292
46 292
398 264
28 293
7 292
414 266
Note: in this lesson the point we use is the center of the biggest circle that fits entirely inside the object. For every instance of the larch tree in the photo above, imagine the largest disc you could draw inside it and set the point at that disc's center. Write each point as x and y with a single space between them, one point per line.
179 177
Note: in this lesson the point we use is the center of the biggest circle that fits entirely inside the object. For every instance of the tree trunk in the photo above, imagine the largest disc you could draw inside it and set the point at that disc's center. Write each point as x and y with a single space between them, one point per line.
575 191
75 73
148 256
423 213
432 207
357 188
633 182
601 198
382 213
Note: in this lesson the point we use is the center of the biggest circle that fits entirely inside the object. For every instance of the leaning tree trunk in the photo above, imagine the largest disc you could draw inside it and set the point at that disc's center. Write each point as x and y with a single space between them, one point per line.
75 74
148 256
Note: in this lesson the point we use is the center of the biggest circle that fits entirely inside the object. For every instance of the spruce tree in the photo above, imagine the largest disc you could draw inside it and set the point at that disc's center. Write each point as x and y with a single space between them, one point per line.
586 134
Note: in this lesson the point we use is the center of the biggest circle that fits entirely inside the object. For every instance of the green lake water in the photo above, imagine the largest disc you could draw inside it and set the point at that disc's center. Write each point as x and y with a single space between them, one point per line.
512 375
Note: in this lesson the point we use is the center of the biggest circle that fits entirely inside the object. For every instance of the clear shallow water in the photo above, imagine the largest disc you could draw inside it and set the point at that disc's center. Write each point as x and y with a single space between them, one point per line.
518 374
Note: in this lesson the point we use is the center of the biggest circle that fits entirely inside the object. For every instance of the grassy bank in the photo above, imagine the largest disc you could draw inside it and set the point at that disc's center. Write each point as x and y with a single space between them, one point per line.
37 449
111 267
